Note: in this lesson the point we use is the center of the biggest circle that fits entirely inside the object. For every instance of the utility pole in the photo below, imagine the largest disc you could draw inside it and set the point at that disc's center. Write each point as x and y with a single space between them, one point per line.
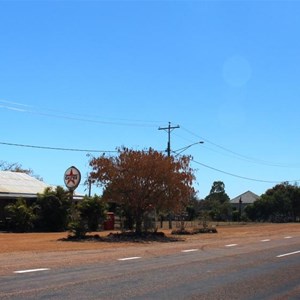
90 186
169 129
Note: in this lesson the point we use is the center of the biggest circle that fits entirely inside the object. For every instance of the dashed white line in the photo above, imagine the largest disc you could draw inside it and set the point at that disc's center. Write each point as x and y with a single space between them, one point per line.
287 254
231 245
31 270
189 250
129 258
266 240
288 237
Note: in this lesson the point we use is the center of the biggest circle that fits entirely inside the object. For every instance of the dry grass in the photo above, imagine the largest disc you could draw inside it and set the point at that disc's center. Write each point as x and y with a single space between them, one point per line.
46 242
36 250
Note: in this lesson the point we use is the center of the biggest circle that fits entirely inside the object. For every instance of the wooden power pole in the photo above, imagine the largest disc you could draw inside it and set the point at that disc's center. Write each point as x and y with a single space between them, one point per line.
169 129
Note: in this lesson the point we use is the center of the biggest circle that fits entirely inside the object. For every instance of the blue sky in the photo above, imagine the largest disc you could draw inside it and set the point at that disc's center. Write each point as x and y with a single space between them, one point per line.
96 75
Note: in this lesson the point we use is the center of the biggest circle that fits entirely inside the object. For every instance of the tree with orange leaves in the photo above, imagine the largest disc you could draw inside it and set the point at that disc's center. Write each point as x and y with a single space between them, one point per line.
144 180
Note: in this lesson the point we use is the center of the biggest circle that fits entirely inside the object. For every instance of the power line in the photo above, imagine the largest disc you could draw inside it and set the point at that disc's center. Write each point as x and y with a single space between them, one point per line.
18 107
238 155
115 151
242 177
57 148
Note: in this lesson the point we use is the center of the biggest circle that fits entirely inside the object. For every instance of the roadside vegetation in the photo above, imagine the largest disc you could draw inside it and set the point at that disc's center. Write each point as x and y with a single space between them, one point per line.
144 189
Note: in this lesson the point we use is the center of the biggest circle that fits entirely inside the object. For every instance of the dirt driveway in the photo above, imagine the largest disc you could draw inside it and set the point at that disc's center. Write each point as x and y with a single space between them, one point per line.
36 250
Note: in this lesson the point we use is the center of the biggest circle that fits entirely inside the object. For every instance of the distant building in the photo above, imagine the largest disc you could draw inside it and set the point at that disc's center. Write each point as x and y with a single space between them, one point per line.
15 185
241 201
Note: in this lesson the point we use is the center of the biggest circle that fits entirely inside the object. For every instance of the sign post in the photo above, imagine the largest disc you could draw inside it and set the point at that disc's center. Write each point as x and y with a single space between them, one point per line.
72 179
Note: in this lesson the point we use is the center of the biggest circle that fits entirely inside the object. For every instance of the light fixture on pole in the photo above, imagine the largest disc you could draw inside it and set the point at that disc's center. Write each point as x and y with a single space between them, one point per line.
186 147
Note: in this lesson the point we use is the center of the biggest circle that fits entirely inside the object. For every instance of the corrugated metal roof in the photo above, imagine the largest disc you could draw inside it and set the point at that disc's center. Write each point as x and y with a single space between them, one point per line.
20 183
247 197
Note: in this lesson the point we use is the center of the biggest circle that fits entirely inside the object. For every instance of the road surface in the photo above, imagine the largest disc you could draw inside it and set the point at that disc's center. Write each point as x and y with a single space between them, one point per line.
261 269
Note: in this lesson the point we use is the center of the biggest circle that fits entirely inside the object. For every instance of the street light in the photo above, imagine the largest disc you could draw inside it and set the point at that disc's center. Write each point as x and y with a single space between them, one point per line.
186 147
180 151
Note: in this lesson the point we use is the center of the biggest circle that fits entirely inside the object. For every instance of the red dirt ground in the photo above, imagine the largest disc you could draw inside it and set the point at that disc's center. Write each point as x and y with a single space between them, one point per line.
36 250
20 242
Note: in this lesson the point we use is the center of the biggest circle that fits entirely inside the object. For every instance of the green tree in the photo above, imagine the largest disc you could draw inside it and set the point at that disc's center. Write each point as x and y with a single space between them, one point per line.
193 208
77 225
20 215
218 187
294 191
217 193
53 209
142 181
278 204
92 211
218 202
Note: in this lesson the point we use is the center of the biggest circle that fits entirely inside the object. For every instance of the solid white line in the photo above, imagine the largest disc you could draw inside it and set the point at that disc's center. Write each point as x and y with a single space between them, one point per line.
31 270
287 254
266 240
231 245
189 250
129 258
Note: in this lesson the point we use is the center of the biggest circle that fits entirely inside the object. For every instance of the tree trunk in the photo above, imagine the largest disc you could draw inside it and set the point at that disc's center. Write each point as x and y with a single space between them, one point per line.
138 226
170 221
138 223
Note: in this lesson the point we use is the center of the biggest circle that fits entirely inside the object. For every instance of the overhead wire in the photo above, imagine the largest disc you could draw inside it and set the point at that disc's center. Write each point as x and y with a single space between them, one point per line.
125 122
19 107
115 151
238 155
225 172
58 148
73 116
243 177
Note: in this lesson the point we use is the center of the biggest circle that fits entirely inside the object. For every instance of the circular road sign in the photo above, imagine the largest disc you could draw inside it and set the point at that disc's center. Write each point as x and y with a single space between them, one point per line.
72 178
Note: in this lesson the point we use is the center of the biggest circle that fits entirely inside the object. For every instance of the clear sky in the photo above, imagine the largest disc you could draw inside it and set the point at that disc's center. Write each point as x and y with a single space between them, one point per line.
96 75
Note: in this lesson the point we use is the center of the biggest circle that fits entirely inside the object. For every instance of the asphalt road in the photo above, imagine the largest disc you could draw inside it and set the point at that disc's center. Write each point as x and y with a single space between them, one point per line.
262 269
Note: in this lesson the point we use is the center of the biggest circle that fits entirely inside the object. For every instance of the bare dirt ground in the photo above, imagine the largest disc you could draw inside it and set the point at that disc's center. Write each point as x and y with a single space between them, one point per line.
36 250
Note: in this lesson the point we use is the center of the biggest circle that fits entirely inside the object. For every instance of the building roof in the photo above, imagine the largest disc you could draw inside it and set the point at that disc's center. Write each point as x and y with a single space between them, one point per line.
247 198
20 183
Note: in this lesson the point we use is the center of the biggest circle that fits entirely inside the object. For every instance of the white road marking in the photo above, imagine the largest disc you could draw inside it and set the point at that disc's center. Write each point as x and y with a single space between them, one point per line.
231 245
266 240
31 270
287 254
189 250
288 237
129 258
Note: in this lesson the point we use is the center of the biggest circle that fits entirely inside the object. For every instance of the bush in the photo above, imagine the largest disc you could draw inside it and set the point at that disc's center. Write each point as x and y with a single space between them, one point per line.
53 209
78 229
20 216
